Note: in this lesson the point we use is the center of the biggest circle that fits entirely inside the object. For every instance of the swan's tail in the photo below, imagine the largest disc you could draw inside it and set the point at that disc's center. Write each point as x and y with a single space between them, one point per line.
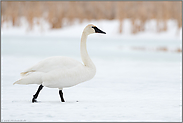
33 78
20 81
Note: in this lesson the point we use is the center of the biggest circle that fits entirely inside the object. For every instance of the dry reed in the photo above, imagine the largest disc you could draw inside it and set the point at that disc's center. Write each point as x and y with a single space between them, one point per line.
55 12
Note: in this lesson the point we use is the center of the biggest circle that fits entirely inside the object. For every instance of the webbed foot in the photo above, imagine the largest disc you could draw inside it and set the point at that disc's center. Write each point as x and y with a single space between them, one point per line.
34 100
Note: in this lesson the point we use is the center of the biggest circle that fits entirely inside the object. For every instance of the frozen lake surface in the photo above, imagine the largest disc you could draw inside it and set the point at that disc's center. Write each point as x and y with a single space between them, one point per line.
130 85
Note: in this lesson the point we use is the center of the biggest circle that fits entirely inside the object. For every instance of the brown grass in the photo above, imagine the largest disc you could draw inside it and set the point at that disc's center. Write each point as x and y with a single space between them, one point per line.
55 12
162 49
178 50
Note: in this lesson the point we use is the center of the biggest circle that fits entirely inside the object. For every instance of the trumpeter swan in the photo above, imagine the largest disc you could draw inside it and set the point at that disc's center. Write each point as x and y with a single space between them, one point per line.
61 72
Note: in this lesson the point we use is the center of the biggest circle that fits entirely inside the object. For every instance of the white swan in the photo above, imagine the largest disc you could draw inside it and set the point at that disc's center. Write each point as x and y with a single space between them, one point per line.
61 72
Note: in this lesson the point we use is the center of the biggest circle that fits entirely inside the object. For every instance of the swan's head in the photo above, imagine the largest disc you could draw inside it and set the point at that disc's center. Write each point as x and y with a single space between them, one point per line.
90 28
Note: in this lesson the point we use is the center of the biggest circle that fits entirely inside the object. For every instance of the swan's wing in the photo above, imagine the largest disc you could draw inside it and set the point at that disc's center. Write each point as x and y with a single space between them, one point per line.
50 64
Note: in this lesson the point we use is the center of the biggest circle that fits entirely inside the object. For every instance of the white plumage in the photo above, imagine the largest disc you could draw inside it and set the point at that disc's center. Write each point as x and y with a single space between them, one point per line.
60 72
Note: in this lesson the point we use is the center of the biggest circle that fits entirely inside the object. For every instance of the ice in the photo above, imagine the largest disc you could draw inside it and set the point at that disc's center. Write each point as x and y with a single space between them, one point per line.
129 86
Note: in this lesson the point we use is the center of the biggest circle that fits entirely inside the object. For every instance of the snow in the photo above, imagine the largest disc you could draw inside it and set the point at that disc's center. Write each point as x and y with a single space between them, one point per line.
111 27
129 86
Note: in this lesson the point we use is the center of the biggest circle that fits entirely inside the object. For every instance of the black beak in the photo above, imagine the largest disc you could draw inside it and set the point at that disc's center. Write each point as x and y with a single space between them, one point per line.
97 30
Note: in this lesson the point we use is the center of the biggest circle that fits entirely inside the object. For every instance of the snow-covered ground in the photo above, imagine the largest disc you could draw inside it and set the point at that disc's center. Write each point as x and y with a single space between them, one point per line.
130 85
111 27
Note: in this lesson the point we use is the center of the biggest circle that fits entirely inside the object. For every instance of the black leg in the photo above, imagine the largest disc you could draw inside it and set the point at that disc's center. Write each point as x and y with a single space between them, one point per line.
37 93
61 95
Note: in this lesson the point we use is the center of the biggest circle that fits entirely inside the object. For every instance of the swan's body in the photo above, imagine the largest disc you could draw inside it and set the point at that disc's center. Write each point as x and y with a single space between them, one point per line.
57 72
61 72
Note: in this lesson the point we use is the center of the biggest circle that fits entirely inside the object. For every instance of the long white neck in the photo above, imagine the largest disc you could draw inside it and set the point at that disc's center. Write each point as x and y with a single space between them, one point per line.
84 54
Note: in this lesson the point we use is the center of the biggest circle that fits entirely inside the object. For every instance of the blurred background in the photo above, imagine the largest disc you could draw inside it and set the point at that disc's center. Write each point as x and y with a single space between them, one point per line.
138 61
55 12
